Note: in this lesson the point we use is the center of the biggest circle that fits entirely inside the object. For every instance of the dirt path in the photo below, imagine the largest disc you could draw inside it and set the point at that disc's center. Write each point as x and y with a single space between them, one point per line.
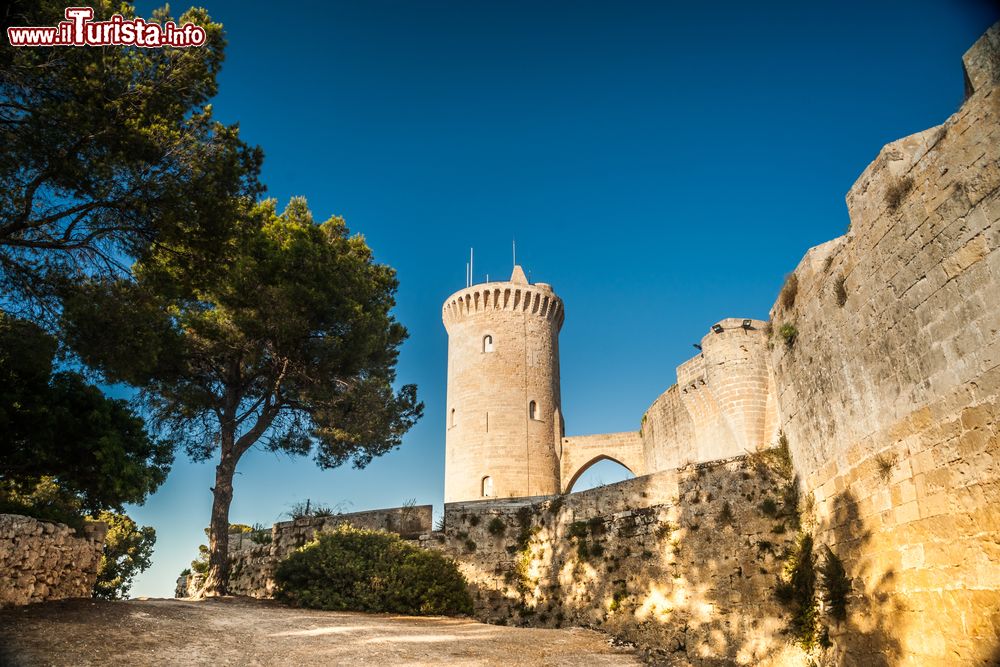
238 631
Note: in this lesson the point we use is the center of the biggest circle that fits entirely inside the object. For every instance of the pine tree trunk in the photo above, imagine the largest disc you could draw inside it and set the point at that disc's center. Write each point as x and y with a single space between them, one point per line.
217 580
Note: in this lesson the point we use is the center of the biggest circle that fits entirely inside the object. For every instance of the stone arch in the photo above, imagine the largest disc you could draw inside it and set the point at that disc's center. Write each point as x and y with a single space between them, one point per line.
568 486
581 452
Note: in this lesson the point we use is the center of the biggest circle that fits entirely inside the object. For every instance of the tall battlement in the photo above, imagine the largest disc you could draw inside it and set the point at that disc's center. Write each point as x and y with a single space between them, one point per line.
538 299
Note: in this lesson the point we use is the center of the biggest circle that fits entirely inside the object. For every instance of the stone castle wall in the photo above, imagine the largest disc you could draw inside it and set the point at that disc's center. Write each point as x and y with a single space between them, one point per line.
40 560
723 405
889 392
681 562
491 432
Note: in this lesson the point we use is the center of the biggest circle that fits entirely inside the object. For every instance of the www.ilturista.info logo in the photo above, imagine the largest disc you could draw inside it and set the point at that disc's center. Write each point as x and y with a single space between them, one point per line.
79 30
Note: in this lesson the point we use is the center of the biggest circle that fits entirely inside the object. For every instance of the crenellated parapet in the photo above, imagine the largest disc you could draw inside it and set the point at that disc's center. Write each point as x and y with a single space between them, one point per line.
537 299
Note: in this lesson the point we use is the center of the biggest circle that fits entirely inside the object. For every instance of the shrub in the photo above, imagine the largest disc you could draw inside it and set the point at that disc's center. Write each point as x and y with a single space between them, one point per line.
578 530
788 333
496 527
260 534
351 569
186 572
796 591
897 191
44 500
769 508
200 564
840 291
128 550
474 520
789 291
885 463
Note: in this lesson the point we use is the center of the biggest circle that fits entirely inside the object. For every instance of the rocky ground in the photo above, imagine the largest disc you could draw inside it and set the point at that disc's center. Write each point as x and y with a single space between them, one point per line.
241 631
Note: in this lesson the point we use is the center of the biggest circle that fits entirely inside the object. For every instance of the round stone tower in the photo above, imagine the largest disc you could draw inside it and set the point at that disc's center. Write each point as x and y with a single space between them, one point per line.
504 422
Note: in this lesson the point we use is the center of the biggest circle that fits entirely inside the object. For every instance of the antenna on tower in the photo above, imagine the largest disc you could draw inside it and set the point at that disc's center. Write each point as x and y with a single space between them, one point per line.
513 247
466 274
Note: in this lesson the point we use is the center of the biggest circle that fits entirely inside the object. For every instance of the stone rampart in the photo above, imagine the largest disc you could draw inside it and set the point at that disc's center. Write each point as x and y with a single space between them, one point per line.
681 562
40 560
888 389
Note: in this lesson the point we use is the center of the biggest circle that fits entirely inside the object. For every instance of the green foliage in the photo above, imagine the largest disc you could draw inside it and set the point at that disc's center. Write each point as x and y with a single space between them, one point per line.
470 545
474 520
789 291
897 192
56 425
578 530
617 597
260 534
200 564
106 152
45 500
292 348
788 333
835 584
128 550
797 591
496 526
305 509
186 572
364 570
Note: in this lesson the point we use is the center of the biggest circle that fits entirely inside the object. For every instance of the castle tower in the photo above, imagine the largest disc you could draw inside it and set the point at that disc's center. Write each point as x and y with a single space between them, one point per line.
504 422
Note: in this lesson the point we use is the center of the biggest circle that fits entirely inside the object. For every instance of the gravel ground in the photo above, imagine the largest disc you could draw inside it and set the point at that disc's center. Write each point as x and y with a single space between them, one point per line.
242 631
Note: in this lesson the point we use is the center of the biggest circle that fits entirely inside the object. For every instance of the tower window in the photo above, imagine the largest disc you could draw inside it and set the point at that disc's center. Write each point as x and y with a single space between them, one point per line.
451 419
533 410
487 487
487 343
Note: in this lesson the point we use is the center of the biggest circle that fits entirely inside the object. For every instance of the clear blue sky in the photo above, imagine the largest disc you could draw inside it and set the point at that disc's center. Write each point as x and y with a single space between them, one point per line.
662 166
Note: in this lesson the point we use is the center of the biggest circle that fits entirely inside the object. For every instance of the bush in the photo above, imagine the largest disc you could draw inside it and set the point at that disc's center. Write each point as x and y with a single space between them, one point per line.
789 291
840 291
496 526
128 551
897 191
44 500
788 333
351 569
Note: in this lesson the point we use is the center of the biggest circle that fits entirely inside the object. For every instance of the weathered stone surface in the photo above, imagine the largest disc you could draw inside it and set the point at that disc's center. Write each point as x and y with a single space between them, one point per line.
47 561
682 562
890 400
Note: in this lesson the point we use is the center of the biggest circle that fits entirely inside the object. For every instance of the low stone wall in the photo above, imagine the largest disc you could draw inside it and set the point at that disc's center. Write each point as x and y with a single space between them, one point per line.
252 565
682 562
42 561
